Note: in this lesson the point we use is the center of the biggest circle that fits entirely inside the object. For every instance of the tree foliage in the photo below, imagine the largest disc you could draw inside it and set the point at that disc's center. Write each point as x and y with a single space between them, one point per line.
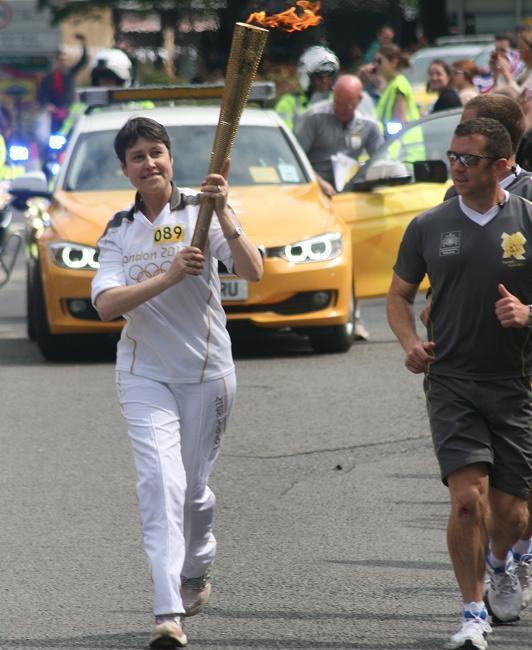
60 9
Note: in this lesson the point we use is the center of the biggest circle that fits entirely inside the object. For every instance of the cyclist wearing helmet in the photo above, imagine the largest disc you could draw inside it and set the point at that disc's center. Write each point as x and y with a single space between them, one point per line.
316 72
111 68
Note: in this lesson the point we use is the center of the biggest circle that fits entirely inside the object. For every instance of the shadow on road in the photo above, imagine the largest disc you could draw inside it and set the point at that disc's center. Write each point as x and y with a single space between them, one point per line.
136 640
23 352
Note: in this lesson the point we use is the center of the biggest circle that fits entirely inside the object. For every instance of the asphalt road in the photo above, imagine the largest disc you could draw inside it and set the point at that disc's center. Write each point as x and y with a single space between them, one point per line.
331 518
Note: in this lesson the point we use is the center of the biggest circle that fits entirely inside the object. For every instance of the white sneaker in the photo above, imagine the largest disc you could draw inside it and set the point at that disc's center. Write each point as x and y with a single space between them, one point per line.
471 635
168 634
504 596
524 575
360 332
195 593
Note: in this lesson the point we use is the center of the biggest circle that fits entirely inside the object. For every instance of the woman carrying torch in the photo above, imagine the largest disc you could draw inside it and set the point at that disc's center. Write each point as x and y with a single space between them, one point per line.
175 373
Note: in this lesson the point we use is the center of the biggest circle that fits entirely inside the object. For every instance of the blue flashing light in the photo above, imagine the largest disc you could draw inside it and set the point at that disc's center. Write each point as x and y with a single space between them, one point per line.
55 169
56 142
393 127
18 153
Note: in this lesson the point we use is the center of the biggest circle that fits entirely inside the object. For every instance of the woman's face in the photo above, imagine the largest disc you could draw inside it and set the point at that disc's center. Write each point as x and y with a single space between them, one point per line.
458 77
148 166
438 78
383 66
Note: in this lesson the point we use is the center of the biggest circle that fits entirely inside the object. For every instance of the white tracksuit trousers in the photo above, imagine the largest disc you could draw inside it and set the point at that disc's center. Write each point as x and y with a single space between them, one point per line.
176 432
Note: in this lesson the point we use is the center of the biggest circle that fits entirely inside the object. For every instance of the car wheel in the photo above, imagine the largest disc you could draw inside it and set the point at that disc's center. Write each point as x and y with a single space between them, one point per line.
335 338
30 315
53 347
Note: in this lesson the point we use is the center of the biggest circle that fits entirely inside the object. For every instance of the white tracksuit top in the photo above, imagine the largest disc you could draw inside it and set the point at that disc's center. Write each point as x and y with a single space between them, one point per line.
180 335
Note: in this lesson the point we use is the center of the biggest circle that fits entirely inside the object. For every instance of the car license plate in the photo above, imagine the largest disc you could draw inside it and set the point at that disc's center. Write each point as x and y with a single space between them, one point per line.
234 290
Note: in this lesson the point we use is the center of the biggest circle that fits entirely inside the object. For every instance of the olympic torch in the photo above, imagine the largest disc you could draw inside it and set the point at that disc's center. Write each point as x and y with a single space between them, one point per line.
244 57
246 50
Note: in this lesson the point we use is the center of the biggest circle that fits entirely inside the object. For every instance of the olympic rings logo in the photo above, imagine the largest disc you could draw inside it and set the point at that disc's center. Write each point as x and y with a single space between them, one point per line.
140 273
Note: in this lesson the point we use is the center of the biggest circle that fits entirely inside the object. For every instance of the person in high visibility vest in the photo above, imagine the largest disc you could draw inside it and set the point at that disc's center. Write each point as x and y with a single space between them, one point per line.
3 155
396 105
8 170
316 72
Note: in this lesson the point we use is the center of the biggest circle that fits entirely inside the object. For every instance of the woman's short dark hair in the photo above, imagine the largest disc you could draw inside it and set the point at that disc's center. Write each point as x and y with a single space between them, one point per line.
394 53
498 142
503 109
506 36
139 127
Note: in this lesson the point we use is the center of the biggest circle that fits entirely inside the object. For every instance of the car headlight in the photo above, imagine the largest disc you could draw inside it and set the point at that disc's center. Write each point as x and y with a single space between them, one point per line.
74 256
18 153
316 249
56 142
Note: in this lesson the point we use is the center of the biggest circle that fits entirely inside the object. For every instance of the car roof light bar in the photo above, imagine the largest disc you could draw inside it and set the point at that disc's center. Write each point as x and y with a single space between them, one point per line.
261 91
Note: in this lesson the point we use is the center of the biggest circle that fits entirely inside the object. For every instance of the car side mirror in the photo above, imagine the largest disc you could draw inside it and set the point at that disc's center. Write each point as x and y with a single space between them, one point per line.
26 187
380 173
356 185
430 171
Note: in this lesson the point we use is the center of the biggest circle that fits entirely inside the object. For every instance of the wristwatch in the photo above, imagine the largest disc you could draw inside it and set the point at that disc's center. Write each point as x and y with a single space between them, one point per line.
235 234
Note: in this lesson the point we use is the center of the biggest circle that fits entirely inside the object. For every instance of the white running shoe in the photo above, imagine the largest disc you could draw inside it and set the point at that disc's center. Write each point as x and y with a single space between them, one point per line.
168 634
471 635
360 332
195 593
504 596
524 575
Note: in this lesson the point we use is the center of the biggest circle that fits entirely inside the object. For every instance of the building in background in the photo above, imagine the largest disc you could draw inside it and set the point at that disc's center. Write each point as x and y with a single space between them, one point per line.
27 44
487 16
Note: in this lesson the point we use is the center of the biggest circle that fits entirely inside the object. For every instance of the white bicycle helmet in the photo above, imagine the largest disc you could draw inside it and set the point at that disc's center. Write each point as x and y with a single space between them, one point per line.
111 64
317 59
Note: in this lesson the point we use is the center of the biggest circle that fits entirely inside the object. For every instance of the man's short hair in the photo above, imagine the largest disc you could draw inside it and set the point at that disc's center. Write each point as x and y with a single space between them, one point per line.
506 36
503 109
136 128
498 143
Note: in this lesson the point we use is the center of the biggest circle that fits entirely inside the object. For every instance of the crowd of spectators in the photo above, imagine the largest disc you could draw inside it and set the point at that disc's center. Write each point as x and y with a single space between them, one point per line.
388 94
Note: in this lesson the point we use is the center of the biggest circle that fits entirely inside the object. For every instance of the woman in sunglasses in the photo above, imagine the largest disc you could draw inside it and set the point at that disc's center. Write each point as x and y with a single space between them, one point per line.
462 74
397 104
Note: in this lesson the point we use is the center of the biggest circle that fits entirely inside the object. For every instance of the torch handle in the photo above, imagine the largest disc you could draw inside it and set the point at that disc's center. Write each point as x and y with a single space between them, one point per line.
219 156
201 231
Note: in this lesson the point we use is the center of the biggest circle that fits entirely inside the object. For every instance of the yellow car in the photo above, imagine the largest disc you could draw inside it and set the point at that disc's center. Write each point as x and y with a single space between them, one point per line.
394 186
307 283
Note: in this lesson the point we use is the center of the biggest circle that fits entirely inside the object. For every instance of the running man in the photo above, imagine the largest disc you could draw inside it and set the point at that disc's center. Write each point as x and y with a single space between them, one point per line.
517 181
477 252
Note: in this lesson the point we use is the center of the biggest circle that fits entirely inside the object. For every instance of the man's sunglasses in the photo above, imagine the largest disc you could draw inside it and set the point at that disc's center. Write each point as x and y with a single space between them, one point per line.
468 159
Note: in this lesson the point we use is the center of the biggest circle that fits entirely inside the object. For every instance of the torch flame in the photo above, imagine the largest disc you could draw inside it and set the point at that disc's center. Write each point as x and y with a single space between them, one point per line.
289 20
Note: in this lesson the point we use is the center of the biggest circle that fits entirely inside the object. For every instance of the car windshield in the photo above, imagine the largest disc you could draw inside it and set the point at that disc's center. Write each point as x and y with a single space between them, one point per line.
428 140
260 156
